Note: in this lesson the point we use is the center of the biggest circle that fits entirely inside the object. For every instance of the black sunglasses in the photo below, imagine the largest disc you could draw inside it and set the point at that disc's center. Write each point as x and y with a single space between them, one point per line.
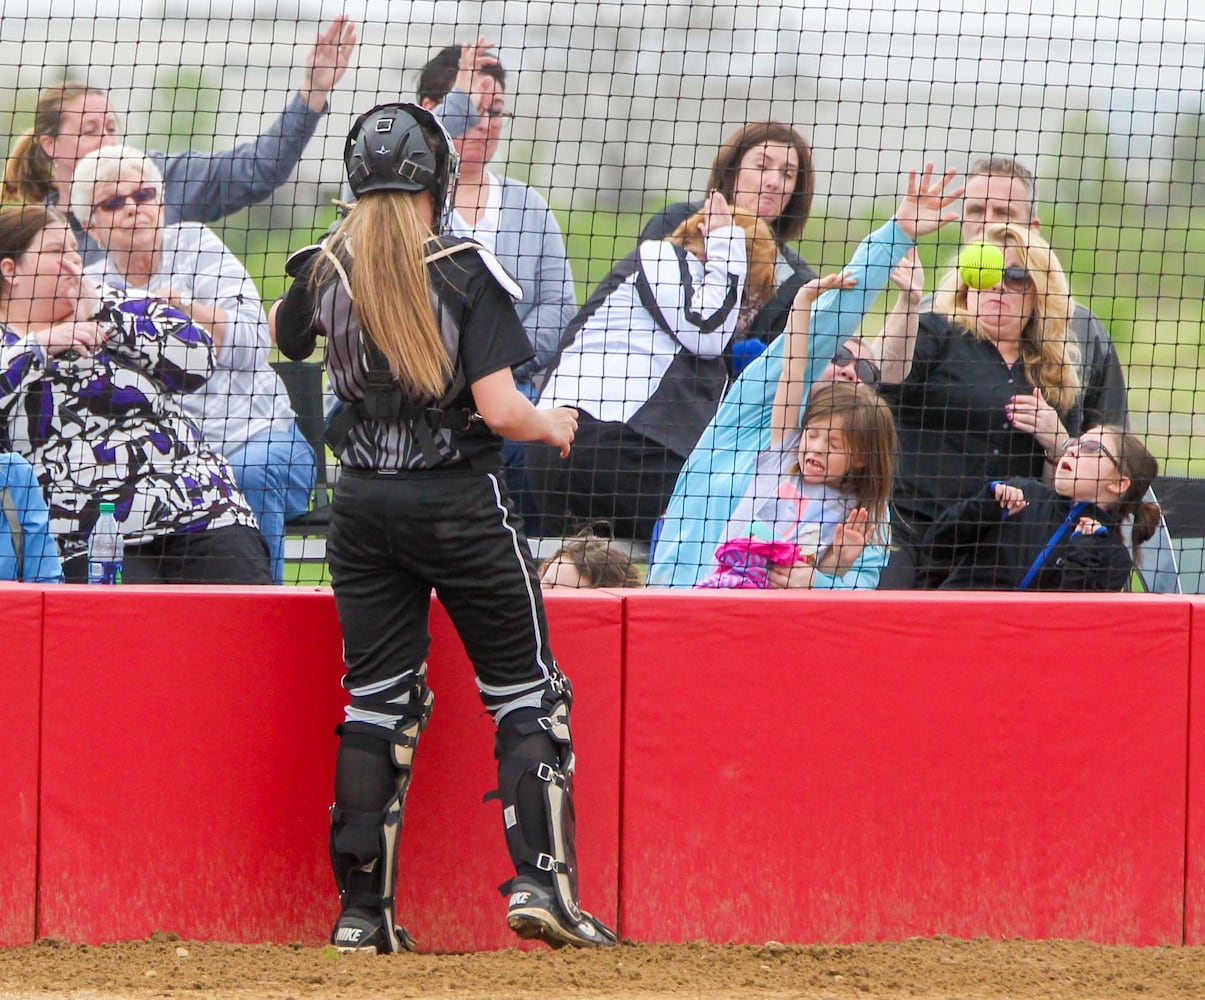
116 202
866 370
1015 278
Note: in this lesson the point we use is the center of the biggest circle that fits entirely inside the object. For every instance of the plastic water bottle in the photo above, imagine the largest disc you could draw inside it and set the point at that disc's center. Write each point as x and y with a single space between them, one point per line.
106 548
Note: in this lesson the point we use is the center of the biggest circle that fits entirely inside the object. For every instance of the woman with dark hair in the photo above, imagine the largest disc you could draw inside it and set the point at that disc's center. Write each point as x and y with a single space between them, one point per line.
766 169
643 364
91 379
421 337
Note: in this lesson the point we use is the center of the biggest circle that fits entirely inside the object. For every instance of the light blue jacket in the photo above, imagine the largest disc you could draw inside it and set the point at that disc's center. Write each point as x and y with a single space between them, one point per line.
716 474
19 486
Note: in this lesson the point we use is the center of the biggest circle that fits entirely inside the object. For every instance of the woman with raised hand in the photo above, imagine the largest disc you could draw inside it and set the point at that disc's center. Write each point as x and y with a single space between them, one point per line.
73 119
991 392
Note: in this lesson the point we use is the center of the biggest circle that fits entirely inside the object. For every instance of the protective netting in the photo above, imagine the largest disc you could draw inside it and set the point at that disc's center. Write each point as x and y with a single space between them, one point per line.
1080 125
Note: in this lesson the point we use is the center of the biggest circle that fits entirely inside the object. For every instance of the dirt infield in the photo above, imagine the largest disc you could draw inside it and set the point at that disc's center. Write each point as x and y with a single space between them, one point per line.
919 969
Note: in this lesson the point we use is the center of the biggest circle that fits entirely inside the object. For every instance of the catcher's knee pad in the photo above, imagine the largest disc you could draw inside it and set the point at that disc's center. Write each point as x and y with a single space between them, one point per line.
535 785
374 708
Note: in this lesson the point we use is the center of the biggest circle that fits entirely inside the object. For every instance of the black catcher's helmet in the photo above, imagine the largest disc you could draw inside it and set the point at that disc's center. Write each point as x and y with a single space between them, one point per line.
387 149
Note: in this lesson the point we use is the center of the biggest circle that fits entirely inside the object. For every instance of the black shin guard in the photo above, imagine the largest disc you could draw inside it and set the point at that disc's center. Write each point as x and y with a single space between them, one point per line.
371 781
535 785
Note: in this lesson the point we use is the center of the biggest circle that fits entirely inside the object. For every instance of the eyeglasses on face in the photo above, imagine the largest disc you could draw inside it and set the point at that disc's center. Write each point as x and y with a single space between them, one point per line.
866 370
116 202
1087 446
490 114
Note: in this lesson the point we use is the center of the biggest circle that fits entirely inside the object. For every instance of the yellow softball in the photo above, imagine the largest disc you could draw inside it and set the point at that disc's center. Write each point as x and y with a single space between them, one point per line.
981 264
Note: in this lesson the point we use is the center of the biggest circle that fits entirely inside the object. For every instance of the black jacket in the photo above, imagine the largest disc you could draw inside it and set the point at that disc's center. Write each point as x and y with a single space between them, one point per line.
973 546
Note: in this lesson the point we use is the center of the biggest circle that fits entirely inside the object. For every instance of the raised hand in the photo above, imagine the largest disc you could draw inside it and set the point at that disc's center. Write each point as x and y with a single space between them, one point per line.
328 61
812 290
717 213
923 208
474 56
909 276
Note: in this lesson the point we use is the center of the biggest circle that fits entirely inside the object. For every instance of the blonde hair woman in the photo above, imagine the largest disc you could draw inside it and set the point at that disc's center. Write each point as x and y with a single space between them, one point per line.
421 336
992 390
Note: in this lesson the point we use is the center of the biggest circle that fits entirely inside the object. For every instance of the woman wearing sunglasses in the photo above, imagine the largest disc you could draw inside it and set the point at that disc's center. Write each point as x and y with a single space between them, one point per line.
991 391
243 410
90 385
1023 534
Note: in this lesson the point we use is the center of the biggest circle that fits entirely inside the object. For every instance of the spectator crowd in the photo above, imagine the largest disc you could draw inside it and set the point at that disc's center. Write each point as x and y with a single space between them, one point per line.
735 426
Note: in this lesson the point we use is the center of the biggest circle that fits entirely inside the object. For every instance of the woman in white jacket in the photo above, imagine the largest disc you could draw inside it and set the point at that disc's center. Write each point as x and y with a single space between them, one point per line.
643 364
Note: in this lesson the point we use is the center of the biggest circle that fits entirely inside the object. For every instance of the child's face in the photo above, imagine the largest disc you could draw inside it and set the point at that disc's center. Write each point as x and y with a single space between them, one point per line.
824 458
1087 469
561 572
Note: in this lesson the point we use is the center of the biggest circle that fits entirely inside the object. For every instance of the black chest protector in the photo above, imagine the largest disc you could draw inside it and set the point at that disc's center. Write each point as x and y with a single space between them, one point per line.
383 398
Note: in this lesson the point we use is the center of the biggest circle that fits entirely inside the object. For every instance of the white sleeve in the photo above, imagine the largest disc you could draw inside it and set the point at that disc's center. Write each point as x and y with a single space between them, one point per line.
700 302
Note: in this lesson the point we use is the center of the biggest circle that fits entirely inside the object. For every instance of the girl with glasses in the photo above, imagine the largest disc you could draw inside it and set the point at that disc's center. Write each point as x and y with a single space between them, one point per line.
1022 534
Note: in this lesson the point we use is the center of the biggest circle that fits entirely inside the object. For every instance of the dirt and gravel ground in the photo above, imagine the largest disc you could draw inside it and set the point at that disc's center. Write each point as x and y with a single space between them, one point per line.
919 969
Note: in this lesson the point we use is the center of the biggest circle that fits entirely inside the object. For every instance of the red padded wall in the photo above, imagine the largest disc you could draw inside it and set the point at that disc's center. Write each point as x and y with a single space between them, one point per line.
1194 895
187 762
188 759
835 767
19 712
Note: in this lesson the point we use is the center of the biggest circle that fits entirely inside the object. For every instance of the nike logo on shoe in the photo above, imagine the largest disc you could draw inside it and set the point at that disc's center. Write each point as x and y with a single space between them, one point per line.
520 898
349 934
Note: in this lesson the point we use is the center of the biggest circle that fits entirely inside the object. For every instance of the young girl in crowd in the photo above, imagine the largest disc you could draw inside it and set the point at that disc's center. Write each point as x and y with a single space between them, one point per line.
1063 538
590 560
819 495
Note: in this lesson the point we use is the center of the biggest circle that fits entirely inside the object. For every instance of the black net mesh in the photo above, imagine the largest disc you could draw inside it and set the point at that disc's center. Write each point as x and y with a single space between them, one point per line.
585 126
